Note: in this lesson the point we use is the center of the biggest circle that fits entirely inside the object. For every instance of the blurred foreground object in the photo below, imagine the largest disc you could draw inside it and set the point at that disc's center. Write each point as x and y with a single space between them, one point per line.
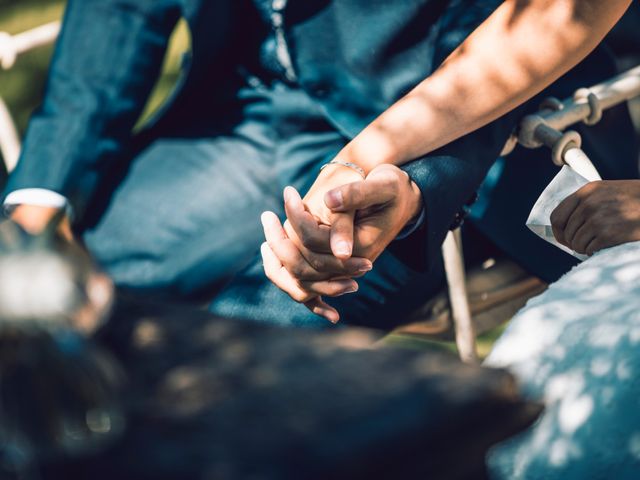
214 398
577 347
226 399
58 393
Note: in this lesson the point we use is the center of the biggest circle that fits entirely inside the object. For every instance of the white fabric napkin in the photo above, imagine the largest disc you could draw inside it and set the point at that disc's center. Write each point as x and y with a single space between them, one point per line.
566 182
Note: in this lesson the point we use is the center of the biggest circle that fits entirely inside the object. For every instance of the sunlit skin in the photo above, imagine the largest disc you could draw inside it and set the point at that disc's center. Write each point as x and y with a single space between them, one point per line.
518 51
599 215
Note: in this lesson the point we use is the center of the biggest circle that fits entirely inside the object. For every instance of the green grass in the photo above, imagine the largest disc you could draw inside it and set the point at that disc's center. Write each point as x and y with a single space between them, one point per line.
22 86
484 342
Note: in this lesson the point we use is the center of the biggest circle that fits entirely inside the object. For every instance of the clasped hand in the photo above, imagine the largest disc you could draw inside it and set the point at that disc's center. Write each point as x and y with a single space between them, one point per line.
333 235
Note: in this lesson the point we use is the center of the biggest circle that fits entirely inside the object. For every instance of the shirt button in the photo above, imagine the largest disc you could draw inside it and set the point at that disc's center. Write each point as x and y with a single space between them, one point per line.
254 82
278 5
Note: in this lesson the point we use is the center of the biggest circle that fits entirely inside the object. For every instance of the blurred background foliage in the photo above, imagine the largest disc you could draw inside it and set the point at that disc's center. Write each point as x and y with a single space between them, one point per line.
23 85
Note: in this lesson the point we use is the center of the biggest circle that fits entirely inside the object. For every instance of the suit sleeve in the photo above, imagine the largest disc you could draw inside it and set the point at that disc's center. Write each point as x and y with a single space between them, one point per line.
448 178
105 64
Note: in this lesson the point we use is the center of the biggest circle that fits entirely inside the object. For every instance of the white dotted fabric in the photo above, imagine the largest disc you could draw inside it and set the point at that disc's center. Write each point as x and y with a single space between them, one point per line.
576 347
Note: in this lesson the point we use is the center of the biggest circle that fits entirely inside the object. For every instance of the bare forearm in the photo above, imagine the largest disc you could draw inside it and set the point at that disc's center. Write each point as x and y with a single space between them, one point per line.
517 52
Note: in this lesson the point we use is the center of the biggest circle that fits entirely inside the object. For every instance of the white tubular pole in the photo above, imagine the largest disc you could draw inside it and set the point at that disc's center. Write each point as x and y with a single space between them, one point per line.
13 46
578 161
586 105
610 93
460 311
37 37
9 139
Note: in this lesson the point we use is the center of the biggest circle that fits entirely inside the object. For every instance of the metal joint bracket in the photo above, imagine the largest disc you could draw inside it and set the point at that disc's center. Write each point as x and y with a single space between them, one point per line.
570 139
551 103
535 132
594 105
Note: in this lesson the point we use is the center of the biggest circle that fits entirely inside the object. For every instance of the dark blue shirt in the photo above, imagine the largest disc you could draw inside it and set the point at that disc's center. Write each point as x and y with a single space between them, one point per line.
275 59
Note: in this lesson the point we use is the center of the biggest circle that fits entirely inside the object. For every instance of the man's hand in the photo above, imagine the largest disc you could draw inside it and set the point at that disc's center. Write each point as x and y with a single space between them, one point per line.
34 219
298 257
599 215
341 232
96 287
385 202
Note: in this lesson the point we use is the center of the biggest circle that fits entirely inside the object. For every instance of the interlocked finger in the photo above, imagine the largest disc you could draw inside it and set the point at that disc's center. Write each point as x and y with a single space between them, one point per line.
326 263
301 291
280 277
333 288
306 265
283 280
286 251
312 235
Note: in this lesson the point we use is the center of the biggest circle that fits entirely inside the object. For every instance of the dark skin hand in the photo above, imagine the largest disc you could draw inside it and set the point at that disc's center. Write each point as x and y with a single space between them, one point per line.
600 215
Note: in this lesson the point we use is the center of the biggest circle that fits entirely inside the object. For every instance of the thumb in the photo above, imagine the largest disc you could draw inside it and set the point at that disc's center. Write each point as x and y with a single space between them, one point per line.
359 195
341 236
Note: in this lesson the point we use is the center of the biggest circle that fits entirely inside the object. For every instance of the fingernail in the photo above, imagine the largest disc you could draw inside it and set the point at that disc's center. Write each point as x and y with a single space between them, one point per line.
332 317
287 194
343 248
365 267
333 199
352 289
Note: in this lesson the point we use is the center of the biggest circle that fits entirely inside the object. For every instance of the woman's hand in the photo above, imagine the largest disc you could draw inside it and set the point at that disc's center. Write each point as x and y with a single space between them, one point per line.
367 215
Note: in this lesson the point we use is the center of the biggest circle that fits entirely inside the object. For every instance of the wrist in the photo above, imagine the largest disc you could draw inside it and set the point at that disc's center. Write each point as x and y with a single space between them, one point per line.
370 149
340 163
337 173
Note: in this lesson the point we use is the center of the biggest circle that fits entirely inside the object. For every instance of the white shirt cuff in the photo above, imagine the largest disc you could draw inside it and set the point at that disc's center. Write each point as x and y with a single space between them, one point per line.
35 196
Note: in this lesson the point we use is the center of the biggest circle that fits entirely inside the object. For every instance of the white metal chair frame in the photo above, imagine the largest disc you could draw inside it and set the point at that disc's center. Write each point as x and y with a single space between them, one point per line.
11 47
544 128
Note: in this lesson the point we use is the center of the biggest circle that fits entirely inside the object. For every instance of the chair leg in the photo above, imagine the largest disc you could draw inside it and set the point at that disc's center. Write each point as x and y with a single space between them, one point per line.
461 313
9 139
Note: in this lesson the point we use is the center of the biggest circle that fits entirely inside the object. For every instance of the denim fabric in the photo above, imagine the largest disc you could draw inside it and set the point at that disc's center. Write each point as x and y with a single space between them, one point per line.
386 297
186 214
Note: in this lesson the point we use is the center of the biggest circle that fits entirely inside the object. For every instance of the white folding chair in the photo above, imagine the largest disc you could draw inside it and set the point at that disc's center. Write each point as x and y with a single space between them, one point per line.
542 129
